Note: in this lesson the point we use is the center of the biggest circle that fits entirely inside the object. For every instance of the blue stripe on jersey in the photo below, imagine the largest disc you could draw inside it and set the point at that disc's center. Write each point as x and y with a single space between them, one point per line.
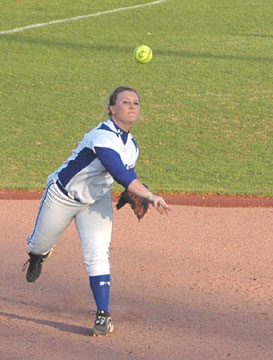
135 143
105 127
83 159
112 162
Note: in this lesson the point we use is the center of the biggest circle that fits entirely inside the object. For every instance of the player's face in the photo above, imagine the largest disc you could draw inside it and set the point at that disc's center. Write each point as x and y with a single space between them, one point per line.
126 110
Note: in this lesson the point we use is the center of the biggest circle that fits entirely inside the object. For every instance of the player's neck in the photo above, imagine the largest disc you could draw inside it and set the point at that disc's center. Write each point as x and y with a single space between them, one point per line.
121 126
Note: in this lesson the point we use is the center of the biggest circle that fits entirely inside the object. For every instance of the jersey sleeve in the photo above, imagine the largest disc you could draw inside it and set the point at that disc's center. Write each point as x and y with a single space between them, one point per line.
112 162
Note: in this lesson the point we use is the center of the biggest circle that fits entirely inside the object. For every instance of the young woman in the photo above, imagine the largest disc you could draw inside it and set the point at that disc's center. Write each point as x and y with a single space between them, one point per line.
81 190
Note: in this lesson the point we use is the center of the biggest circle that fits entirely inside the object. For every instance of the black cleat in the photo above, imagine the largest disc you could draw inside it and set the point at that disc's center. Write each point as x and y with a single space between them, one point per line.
35 263
103 324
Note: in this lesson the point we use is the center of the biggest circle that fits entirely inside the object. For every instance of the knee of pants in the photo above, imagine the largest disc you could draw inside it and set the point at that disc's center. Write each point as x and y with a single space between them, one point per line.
39 247
98 265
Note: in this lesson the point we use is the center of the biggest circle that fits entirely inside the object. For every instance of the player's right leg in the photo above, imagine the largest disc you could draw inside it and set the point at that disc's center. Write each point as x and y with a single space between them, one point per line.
55 214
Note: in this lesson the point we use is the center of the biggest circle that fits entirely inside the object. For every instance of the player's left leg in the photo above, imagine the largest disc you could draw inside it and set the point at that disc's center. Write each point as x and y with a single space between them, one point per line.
94 225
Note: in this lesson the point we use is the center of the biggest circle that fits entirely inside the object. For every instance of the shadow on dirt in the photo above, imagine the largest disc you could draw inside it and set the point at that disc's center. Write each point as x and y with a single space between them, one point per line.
73 329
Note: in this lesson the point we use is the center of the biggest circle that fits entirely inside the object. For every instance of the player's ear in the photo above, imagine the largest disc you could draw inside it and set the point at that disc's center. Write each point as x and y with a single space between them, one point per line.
112 109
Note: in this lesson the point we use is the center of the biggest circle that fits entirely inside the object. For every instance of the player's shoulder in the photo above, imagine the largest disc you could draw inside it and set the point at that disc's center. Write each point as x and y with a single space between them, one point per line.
101 130
106 128
107 125
107 134
103 134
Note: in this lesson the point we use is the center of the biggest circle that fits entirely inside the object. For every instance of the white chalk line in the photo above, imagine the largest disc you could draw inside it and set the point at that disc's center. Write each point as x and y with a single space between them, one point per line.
81 17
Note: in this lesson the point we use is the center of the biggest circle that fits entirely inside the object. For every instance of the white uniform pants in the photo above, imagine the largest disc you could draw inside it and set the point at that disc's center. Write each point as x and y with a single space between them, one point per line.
93 223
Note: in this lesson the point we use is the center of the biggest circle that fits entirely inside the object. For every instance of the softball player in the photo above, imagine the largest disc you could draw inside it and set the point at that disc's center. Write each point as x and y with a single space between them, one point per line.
81 190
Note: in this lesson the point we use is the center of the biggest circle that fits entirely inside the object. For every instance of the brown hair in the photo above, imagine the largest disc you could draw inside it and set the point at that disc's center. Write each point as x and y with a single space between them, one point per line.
114 95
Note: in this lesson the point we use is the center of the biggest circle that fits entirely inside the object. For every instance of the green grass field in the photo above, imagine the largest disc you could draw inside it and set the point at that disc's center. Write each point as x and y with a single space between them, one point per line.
207 95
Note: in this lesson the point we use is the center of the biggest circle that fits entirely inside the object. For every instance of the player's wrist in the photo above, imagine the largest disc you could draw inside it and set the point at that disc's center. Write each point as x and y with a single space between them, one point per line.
151 197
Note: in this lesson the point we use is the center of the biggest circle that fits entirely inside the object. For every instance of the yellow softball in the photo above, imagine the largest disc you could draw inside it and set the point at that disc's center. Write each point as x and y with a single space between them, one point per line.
143 54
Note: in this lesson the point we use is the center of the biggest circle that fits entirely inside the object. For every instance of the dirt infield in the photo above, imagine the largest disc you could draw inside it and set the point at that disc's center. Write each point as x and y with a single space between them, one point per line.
193 285
173 199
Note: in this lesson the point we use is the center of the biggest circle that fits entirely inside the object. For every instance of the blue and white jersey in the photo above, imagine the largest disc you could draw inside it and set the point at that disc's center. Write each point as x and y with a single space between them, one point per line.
104 155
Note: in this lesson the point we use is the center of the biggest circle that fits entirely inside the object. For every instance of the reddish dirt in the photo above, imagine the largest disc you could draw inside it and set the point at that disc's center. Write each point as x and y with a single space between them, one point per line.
193 285
173 199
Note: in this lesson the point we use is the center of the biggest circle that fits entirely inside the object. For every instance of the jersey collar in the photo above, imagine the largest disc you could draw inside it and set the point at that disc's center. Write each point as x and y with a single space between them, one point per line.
123 134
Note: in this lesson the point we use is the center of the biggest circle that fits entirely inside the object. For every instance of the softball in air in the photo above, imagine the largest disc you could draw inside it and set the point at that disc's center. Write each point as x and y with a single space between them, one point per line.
143 54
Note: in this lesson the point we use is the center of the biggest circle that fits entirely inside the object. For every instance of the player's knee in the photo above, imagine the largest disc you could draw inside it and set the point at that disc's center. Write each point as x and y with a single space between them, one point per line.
98 265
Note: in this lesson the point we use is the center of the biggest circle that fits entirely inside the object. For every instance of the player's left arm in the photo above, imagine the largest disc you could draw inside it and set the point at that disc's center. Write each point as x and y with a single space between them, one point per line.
137 188
112 162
